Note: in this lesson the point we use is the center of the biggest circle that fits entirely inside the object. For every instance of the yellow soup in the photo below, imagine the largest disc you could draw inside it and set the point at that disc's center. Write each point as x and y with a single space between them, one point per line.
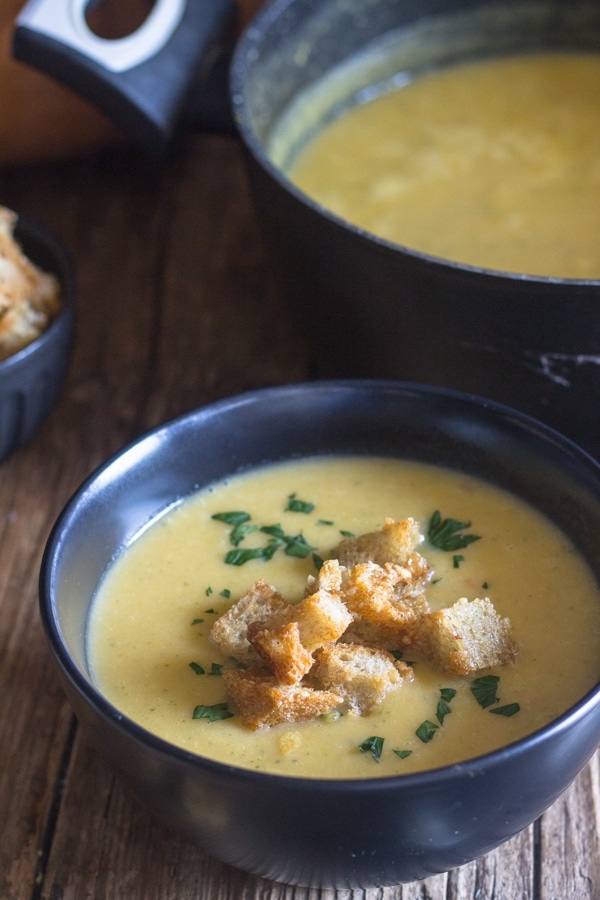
493 164
148 633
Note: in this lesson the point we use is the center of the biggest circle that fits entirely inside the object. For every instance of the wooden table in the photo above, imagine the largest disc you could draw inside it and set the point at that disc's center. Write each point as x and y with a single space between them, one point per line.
176 307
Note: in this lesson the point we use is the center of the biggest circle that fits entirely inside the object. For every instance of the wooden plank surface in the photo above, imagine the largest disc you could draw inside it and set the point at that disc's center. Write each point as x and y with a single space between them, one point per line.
176 307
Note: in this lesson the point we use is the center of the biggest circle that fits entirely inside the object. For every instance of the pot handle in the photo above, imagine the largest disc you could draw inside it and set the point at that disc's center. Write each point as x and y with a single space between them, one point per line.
141 81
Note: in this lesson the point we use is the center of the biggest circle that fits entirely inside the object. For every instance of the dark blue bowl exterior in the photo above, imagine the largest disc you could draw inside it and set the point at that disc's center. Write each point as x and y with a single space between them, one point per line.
31 380
349 834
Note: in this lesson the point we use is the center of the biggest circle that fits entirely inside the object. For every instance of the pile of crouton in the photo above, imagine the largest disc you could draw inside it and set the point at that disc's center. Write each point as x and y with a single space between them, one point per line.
29 298
340 647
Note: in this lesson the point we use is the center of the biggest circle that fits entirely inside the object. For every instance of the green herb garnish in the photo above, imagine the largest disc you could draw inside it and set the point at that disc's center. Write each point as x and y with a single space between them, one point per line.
299 506
444 533
240 531
197 668
197 621
373 745
443 707
484 690
239 556
232 518
402 753
457 559
216 669
509 710
426 731
212 713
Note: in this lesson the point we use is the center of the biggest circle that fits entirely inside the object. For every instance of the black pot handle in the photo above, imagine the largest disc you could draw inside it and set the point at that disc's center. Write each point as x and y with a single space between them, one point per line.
142 81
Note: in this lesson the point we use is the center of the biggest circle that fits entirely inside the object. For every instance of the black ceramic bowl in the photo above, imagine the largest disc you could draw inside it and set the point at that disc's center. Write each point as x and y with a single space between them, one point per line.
349 833
32 378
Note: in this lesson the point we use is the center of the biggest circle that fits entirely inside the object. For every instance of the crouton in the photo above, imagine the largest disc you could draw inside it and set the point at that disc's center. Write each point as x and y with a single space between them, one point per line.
282 651
374 593
322 617
394 543
29 298
261 603
468 636
330 578
261 702
361 675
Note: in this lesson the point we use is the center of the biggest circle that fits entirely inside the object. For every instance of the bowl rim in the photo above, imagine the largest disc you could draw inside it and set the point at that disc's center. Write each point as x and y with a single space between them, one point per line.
92 696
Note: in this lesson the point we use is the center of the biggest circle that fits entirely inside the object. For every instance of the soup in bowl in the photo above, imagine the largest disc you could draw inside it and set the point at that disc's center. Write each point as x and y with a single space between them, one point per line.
284 616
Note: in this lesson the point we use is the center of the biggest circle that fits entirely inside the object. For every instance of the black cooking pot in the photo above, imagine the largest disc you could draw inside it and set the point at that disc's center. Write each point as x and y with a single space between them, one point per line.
370 307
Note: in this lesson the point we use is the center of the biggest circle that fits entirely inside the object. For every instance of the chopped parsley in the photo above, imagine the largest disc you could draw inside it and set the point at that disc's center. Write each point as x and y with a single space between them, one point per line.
299 506
485 689
426 731
402 753
215 669
372 745
444 533
509 710
213 713
443 707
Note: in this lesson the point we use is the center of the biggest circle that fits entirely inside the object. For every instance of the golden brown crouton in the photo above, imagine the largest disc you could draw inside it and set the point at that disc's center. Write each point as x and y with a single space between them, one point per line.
261 702
372 592
468 636
363 676
282 651
261 603
329 578
29 298
322 617
394 543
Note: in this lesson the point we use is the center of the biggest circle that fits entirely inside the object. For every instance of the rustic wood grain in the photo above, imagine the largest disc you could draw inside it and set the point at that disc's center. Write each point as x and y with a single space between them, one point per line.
176 307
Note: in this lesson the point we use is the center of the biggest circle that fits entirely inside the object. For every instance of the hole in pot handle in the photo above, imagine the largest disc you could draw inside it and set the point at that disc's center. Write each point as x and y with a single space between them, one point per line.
141 81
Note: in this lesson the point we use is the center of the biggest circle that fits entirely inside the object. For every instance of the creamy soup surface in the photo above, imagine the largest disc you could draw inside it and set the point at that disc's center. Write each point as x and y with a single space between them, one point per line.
493 164
148 629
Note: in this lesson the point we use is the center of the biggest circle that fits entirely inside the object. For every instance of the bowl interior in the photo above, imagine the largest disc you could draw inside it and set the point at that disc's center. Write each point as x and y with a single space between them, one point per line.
382 418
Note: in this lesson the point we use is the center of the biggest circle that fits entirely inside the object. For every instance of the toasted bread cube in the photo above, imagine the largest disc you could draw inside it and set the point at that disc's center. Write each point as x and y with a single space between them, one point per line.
261 603
282 651
394 543
468 636
407 640
329 578
261 702
371 593
362 675
322 617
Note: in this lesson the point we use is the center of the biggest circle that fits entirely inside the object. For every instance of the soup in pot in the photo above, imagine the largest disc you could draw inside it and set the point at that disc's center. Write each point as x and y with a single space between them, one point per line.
491 163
